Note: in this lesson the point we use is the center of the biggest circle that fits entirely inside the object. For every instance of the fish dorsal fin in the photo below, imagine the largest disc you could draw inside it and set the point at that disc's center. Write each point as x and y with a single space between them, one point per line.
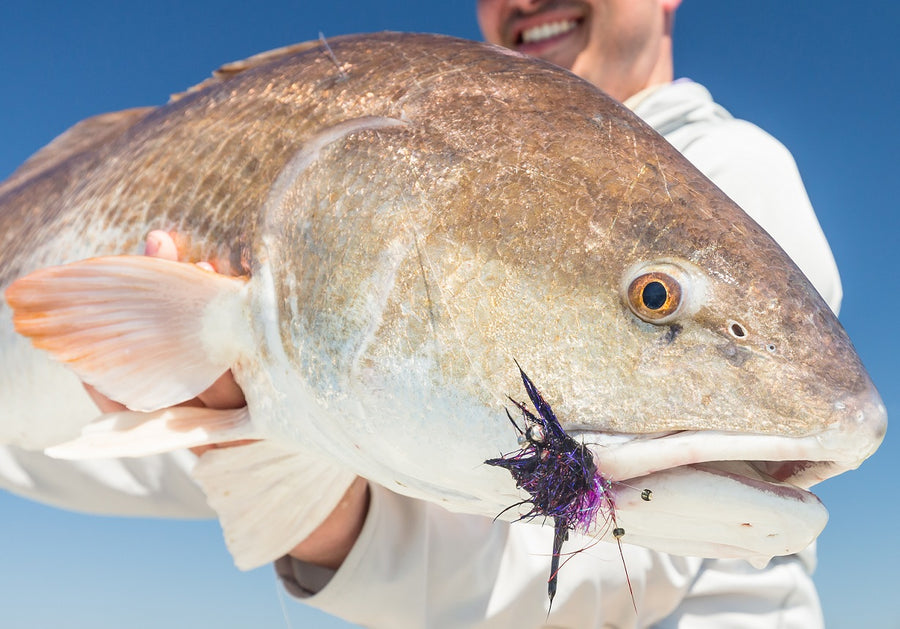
234 68
97 130
81 137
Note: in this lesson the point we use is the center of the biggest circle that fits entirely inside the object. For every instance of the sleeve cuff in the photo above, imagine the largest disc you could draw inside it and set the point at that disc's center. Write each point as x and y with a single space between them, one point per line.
302 580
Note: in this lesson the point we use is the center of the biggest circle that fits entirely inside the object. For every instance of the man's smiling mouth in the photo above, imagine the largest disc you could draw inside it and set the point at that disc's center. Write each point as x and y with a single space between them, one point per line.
543 32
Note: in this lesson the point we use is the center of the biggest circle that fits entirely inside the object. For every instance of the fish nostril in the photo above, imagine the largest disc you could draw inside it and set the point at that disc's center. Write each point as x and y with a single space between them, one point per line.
737 330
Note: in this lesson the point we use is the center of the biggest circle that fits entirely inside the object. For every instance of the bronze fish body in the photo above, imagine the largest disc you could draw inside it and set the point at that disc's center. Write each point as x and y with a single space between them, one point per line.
412 214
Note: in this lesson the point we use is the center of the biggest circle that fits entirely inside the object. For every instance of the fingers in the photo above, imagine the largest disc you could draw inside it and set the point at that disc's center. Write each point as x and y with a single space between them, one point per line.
224 393
160 244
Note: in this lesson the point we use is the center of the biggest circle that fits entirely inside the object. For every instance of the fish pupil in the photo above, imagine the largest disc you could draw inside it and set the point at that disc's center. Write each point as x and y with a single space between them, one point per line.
654 295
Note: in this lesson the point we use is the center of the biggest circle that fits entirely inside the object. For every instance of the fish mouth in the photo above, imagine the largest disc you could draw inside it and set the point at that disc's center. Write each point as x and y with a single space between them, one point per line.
680 493
727 495
799 461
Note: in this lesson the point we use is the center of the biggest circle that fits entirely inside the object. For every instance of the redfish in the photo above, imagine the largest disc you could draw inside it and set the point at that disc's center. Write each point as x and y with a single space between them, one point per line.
399 219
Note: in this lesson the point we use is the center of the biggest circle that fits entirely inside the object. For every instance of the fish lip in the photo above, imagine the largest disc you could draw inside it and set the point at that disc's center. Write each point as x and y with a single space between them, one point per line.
798 461
517 24
851 437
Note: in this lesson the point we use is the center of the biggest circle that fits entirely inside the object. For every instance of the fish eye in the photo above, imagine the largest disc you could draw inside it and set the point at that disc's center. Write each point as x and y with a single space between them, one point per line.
654 296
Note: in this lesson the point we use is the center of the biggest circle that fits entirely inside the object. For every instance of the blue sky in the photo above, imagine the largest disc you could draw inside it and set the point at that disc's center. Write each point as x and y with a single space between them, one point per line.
822 77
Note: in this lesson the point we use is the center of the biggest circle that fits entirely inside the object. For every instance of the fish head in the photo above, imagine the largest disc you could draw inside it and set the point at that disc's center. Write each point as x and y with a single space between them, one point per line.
723 335
742 388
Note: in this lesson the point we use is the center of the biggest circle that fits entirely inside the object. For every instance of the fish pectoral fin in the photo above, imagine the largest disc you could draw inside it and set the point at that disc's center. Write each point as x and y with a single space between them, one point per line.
135 434
146 332
269 498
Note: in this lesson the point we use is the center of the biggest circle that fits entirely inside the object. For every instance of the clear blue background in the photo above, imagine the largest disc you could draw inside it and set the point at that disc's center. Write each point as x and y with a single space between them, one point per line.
820 76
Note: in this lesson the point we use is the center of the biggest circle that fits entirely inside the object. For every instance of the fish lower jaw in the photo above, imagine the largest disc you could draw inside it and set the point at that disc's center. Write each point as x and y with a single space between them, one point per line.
718 494
722 509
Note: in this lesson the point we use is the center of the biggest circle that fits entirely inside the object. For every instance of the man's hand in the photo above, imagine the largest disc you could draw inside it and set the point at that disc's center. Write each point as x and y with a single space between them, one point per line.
330 543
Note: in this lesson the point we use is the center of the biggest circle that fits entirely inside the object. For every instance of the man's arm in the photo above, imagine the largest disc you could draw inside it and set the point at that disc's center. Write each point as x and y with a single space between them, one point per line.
418 565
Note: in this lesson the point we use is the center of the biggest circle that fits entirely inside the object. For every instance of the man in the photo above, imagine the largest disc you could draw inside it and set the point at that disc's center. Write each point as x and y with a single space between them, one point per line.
384 560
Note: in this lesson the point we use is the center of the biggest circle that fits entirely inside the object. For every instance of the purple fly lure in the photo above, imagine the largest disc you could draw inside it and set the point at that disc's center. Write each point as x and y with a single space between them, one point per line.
559 475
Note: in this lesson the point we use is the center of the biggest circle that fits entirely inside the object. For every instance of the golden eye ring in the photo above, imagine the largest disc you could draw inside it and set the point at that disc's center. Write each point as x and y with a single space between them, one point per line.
654 296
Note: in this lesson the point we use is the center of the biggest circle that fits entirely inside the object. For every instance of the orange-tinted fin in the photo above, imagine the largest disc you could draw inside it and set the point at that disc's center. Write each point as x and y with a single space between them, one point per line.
146 332
133 434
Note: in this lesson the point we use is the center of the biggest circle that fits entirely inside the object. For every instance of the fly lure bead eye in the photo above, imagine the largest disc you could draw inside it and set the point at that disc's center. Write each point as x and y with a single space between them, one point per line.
647 495
535 434
654 296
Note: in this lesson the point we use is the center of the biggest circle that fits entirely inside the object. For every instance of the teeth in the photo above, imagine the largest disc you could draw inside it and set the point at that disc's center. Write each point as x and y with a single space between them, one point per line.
546 31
